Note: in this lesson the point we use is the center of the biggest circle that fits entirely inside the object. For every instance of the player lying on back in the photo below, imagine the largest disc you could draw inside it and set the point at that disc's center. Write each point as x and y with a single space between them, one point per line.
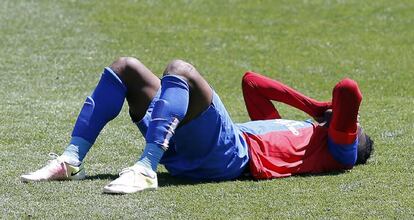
188 129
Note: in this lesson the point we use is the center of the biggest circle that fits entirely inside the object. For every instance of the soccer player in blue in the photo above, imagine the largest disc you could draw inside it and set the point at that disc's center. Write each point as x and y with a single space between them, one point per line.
185 124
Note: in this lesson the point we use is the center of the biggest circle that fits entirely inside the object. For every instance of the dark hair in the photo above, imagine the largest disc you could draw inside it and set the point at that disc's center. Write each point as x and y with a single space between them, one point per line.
365 148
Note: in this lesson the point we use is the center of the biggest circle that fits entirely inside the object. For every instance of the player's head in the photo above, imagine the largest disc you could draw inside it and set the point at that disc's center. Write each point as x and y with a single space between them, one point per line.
365 147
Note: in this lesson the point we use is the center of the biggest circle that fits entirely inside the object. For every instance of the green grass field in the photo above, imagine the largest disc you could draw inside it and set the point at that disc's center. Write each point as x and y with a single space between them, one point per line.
52 53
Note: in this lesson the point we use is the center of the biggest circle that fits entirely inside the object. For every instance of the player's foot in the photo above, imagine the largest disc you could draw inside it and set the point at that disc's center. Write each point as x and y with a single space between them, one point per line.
56 169
133 179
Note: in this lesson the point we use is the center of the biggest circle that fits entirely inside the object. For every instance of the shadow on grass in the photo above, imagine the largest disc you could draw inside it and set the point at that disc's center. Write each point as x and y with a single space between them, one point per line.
105 176
165 179
332 173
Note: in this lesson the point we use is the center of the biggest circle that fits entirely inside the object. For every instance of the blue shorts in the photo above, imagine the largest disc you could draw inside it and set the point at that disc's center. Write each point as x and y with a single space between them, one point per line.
210 147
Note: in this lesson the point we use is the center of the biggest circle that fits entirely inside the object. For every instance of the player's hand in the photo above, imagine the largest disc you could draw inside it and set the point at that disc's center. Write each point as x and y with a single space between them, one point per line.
326 118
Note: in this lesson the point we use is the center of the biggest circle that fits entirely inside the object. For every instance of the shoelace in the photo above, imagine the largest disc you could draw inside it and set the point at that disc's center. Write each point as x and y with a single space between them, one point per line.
54 157
135 171
128 169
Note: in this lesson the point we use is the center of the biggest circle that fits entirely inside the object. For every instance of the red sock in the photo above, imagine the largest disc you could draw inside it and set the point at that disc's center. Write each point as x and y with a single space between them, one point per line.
258 91
346 98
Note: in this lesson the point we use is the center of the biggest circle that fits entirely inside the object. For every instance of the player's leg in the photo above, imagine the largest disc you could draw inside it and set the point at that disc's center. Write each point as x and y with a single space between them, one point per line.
126 77
343 127
184 95
258 91
142 85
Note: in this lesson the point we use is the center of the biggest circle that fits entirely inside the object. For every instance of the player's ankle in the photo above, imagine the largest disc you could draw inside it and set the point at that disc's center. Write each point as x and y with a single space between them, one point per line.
151 156
144 162
70 159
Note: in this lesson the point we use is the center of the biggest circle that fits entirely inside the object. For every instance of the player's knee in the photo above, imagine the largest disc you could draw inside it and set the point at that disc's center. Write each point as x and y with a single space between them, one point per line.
120 64
124 66
181 68
248 80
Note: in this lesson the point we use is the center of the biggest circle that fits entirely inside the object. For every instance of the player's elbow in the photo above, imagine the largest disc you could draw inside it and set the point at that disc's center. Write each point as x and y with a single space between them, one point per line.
248 79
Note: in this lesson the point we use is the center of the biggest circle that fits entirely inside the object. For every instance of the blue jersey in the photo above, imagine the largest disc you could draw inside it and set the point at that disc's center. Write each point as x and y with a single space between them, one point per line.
210 147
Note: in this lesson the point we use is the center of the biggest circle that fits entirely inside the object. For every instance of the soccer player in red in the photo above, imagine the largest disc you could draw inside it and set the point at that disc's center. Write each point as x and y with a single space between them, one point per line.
286 147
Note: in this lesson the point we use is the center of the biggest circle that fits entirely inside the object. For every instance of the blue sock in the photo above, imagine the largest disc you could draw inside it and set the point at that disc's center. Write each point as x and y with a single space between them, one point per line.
103 105
168 111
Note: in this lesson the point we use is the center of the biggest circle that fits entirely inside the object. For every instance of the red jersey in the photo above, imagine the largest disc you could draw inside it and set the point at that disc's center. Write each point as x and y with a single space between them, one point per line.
281 148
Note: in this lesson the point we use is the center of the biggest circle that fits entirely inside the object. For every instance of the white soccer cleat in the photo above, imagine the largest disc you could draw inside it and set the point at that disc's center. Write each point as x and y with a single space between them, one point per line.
133 179
56 169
